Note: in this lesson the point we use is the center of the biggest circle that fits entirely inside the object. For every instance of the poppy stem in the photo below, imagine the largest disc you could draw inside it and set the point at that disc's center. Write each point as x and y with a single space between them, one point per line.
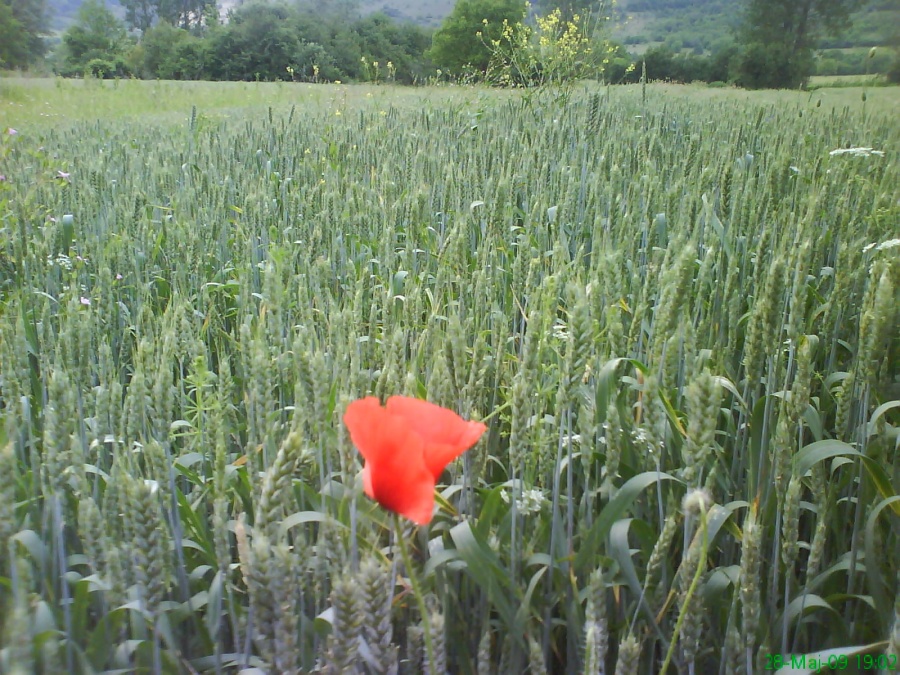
417 590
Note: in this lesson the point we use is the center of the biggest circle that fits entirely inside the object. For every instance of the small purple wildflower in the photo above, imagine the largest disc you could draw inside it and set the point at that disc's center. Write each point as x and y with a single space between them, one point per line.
85 301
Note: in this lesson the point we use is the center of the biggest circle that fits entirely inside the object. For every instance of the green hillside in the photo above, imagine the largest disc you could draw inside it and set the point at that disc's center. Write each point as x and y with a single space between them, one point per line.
699 25
702 25
425 12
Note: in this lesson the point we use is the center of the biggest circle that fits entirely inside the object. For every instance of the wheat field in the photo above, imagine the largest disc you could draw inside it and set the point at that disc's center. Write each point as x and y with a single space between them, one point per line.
675 310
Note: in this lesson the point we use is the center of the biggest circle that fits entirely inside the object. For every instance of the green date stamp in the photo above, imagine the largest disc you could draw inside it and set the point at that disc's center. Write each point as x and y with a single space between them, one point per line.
833 662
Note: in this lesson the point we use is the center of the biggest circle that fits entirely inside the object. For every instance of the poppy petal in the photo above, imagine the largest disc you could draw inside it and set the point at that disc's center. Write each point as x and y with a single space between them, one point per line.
446 434
413 499
395 474
365 420
438 456
367 481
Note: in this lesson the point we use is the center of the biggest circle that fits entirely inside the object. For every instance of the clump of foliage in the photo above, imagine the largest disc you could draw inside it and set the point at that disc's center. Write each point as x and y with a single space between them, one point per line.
22 27
259 41
96 44
778 39
555 52
466 38
661 63
142 14
555 49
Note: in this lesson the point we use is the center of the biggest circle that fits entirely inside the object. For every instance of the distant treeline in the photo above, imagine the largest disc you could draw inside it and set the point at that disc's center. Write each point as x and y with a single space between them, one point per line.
258 42
269 42
723 65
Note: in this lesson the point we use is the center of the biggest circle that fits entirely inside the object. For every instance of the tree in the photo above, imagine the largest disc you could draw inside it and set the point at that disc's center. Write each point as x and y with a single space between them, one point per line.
893 41
96 42
259 42
12 46
778 39
463 38
142 14
22 26
383 41
161 53
184 13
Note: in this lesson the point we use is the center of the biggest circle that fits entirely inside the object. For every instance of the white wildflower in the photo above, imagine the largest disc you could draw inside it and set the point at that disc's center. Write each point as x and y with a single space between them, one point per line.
61 259
530 501
857 152
696 501
883 246
642 437
560 331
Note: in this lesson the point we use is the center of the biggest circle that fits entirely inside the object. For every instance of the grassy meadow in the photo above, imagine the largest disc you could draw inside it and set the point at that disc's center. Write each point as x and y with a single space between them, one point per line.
675 308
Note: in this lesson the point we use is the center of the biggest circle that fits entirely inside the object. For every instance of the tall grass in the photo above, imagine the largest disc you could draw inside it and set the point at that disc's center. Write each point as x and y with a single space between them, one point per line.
670 312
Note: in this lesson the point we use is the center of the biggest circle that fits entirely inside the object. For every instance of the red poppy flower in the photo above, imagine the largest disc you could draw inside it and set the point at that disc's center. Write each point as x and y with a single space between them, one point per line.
406 445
